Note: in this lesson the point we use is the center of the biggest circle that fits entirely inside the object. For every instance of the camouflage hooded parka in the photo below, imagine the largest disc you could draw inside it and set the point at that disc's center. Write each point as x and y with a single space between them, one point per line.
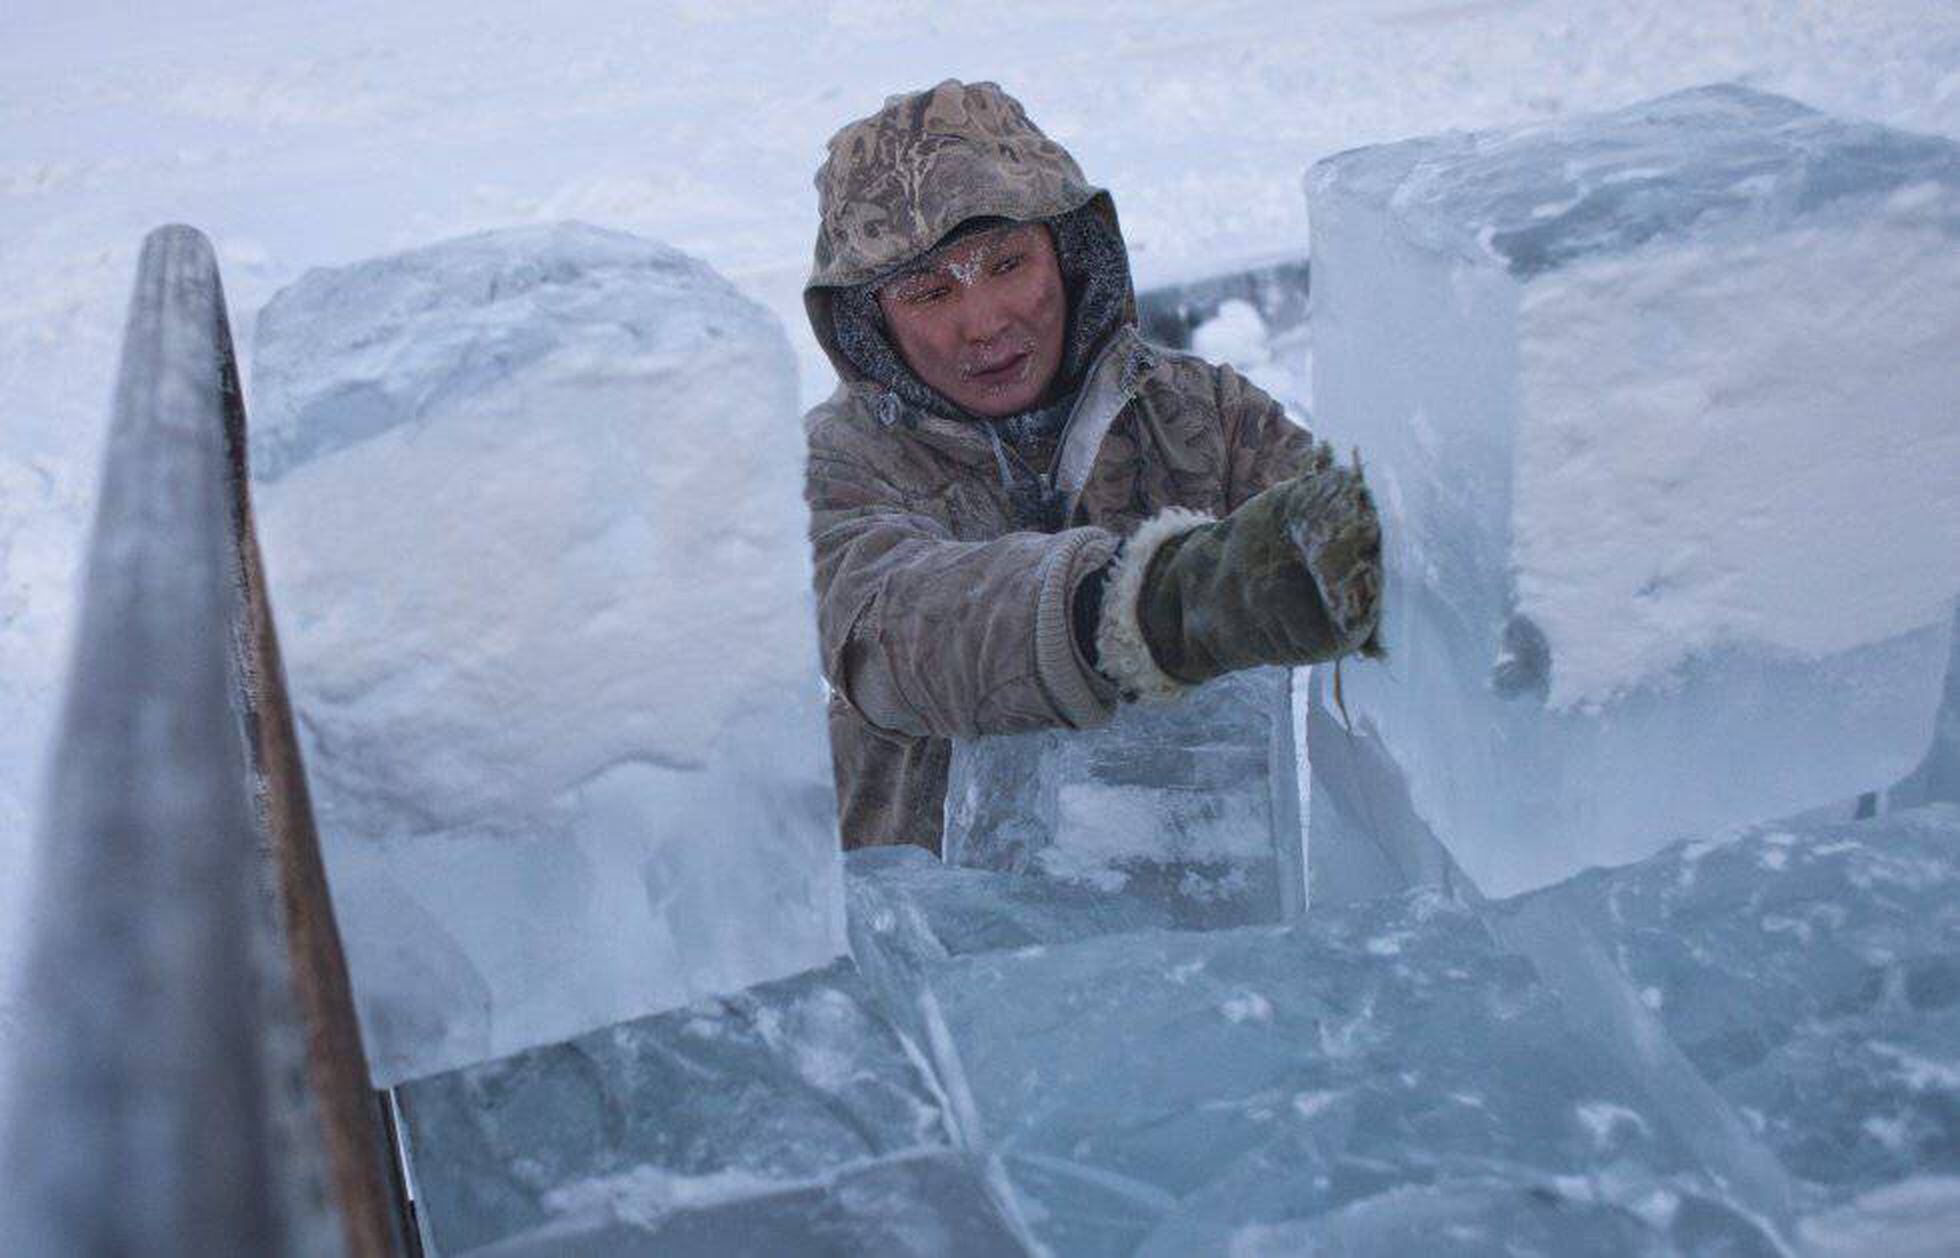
944 611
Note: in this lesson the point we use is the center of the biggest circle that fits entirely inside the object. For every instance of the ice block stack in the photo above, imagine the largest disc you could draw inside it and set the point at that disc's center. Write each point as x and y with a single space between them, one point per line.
532 510
1663 408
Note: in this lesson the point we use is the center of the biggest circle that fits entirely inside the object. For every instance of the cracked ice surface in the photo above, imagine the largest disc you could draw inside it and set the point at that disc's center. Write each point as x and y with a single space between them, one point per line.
1372 1073
535 538
1014 1060
1812 974
1659 406
794 1092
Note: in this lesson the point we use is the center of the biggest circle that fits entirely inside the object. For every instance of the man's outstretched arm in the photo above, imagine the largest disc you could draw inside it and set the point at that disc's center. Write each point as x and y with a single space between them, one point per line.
926 635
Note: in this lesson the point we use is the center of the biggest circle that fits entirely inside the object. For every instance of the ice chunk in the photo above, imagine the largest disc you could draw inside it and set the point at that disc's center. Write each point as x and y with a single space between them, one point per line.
1938 776
1254 318
1192 806
918 1206
1473 1218
532 509
975 910
1915 1219
1812 974
1660 408
1162 1092
771 1091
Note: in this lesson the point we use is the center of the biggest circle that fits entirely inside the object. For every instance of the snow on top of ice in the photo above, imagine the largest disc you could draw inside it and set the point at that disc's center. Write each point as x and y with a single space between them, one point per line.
1537 198
468 311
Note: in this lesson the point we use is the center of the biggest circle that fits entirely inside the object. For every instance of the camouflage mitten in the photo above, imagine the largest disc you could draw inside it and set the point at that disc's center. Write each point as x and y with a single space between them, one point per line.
1292 577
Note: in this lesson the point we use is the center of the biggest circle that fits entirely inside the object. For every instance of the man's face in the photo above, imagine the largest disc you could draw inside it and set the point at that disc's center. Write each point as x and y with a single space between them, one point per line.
981 320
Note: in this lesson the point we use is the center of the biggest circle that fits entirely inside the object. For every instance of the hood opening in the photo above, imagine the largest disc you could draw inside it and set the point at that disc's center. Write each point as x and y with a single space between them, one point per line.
1095 280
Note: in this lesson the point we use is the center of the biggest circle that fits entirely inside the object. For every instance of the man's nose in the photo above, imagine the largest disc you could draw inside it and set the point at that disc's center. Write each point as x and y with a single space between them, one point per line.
983 315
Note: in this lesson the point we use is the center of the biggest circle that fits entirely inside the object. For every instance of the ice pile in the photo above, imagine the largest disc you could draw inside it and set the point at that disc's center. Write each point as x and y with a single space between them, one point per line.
532 509
1661 407
1194 806
786 1119
1015 1064
1376 1073
1812 974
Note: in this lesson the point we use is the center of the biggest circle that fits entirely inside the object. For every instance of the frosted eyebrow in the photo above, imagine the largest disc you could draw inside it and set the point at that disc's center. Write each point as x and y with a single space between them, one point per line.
960 261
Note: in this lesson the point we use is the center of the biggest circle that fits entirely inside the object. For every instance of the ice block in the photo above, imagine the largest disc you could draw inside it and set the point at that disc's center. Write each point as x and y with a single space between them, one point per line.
1661 407
531 504
1193 806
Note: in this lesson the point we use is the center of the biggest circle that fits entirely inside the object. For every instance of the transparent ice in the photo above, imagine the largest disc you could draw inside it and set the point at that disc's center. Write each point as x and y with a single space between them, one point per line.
1659 406
1192 805
1159 1091
776 1091
533 521
1812 974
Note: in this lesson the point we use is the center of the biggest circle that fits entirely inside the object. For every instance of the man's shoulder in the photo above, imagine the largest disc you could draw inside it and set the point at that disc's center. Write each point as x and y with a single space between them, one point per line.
1191 387
853 422
847 407
863 428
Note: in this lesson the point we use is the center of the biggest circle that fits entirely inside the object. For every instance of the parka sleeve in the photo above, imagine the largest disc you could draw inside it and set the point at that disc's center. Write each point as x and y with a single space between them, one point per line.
923 634
1262 445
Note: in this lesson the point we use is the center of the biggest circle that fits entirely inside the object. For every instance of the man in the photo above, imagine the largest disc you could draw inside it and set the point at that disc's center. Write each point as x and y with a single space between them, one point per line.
1021 513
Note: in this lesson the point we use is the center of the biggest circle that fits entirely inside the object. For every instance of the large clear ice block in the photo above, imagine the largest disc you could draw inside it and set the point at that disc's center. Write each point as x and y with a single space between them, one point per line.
778 1090
1193 806
1811 972
918 1206
1174 1092
535 535
1659 405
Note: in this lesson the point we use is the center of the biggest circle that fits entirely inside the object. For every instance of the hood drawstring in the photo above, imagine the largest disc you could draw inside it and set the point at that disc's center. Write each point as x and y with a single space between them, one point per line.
1000 460
1032 499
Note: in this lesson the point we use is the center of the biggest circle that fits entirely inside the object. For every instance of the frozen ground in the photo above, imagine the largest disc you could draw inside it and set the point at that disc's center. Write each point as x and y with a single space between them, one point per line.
301 137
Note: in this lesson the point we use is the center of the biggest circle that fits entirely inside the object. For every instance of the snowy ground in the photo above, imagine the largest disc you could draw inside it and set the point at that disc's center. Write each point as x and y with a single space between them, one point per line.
307 135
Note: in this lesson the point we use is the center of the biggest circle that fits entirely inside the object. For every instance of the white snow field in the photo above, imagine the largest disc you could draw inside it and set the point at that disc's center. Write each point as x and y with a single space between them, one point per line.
1663 406
535 525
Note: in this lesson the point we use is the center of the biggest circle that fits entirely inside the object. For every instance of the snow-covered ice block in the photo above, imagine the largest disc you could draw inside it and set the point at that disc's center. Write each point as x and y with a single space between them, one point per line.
532 510
1164 1092
1193 806
1812 974
777 1090
1661 408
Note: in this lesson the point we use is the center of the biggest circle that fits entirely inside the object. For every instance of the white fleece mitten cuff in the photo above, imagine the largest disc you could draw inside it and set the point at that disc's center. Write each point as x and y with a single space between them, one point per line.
1122 654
